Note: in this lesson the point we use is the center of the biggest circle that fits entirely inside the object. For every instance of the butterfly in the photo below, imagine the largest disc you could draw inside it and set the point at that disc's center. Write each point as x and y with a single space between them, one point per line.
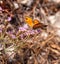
34 23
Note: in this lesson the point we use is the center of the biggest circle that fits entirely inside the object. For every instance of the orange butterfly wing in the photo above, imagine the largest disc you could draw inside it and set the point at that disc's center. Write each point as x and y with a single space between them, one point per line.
38 24
29 21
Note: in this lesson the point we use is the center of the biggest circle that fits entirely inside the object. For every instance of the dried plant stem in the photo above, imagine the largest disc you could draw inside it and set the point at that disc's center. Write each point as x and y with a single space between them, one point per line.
46 41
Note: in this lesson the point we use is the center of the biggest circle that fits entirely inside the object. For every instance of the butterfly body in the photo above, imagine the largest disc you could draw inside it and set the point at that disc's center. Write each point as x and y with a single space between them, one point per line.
34 23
